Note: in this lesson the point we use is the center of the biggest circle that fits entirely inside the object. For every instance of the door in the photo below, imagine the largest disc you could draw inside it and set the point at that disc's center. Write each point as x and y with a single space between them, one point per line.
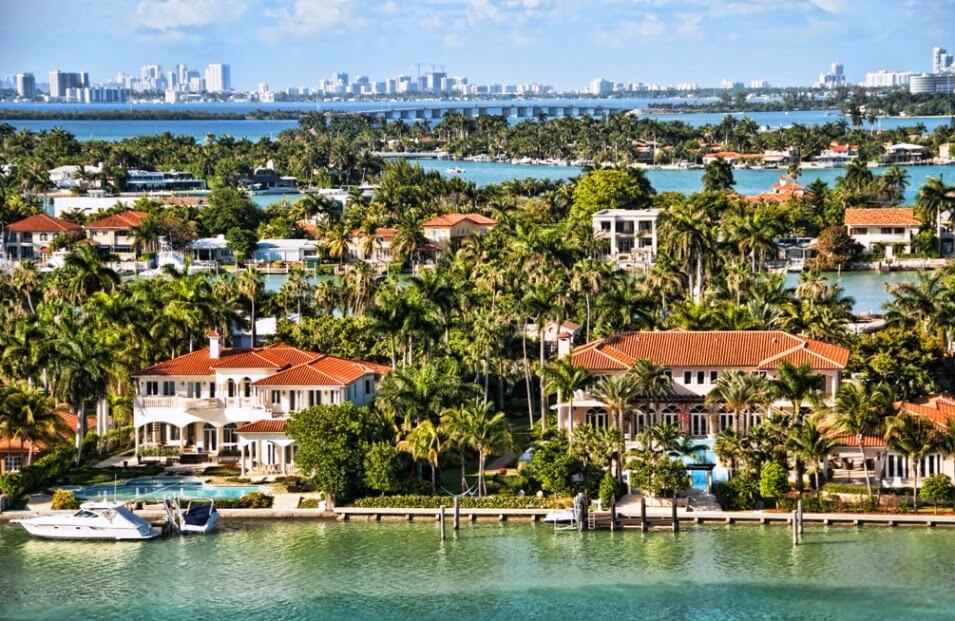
210 436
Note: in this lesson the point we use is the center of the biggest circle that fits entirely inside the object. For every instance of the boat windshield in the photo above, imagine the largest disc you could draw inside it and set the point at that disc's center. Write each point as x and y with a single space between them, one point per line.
85 513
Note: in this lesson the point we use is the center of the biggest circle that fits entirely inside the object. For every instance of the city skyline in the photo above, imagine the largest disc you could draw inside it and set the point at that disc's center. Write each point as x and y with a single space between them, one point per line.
565 44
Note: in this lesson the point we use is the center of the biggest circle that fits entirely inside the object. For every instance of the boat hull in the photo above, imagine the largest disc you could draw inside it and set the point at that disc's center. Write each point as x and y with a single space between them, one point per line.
48 531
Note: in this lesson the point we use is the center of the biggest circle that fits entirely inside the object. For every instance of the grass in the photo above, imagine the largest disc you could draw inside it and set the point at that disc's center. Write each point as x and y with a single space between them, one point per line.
221 471
95 476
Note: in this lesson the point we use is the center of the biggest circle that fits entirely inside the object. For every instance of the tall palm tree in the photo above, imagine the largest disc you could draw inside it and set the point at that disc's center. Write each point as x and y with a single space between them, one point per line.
87 274
249 284
564 377
617 392
686 233
587 278
652 384
81 369
861 410
741 393
29 416
424 442
810 445
915 437
485 433
934 199
797 385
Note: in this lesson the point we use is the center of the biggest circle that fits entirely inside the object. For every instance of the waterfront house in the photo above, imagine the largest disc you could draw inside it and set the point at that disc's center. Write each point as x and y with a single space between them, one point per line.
15 454
161 181
267 180
196 403
632 234
376 251
904 153
695 360
784 190
211 249
114 234
733 158
285 250
29 239
449 230
837 154
776 159
71 177
891 228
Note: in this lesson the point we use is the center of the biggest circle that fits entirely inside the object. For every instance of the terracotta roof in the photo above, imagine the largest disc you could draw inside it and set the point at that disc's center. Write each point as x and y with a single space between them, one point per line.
839 148
324 370
199 362
881 216
453 218
42 223
69 419
868 441
123 220
733 349
937 408
732 155
268 425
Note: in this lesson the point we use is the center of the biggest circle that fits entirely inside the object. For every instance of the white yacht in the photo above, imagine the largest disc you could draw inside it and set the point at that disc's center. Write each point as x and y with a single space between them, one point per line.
94 520
455 170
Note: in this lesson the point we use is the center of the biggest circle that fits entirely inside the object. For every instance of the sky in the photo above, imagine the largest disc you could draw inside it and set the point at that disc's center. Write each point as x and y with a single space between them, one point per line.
564 43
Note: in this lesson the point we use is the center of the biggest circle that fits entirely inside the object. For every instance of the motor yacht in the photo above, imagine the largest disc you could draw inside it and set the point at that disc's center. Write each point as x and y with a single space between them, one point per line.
110 521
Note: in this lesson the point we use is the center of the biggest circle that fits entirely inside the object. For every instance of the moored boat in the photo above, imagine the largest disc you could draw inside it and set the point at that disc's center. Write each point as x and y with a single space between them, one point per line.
199 517
93 521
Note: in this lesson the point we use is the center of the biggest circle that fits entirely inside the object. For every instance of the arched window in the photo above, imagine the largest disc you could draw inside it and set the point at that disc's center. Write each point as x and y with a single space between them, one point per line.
726 419
597 417
698 421
668 415
231 387
246 387
229 435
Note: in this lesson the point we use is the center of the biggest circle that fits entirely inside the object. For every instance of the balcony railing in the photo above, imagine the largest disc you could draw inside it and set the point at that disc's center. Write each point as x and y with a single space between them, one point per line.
189 404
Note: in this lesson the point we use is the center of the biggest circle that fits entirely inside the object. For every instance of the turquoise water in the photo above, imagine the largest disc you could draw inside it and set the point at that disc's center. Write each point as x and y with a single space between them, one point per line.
868 288
157 489
326 570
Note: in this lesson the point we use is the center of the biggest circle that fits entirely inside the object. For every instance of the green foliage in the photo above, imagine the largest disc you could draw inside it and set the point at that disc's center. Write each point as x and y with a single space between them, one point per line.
660 476
773 481
252 500
610 489
553 465
610 189
348 336
229 208
910 361
740 493
467 502
835 249
936 489
718 176
241 242
64 500
381 468
332 441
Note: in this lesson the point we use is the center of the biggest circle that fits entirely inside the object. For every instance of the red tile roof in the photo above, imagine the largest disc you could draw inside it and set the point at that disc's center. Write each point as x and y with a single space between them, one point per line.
123 220
199 362
42 223
733 349
69 419
937 408
268 425
839 148
881 216
453 218
324 370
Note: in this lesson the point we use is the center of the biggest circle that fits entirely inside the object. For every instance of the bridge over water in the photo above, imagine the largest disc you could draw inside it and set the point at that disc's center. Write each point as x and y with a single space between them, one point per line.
436 110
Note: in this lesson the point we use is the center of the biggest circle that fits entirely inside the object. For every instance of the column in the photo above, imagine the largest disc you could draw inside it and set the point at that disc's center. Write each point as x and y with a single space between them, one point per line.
136 439
281 458
242 460
182 439
709 481
260 454
613 238
220 437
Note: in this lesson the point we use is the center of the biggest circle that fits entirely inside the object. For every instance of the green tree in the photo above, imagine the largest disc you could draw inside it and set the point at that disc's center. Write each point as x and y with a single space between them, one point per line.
835 249
912 436
564 377
937 489
241 242
860 410
485 434
424 442
381 468
229 208
773 481
81 369
28 416
553 465
718 176
610 189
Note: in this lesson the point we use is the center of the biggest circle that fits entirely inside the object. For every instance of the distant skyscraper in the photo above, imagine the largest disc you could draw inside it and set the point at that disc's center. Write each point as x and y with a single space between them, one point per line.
150 72
941 60
218 78
182 74
60 81
26 85
600 86
835 77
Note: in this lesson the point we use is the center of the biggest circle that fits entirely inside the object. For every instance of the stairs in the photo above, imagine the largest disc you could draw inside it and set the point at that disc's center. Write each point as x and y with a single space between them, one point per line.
703 502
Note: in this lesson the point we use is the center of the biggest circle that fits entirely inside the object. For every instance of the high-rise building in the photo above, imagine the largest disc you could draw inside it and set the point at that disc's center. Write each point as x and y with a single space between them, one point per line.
941 60
887 79
933 83
218 78
182 75
600 86
26 85
61 80
834 78
758 84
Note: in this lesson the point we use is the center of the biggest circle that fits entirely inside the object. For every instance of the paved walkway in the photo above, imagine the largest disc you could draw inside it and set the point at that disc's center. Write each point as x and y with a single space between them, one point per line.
503 461
116 461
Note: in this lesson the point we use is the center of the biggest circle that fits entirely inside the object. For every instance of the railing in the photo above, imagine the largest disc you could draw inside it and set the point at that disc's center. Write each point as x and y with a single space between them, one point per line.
176 402
203 404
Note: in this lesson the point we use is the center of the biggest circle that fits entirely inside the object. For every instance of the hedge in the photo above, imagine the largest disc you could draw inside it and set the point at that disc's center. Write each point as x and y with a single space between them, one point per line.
252 500
39 475
467 502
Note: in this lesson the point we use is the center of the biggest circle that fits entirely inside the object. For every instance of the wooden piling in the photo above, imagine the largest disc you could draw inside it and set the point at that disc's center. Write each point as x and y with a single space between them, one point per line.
675 519
644 525
799 515
441 522
457 513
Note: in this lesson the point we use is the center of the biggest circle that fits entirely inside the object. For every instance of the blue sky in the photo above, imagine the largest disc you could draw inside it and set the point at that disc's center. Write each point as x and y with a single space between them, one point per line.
561 42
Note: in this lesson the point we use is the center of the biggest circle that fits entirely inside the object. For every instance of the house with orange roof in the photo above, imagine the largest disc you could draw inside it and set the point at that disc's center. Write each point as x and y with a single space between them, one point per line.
202 402
784 190
891 228
375 249
695 360
732 157
114 234
16 454
838 154
449 230
29 239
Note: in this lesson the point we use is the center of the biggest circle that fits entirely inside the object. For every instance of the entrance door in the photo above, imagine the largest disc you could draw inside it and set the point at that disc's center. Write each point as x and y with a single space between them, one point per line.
210 435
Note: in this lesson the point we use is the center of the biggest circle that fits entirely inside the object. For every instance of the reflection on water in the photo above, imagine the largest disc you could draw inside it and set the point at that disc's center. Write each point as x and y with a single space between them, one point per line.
304 570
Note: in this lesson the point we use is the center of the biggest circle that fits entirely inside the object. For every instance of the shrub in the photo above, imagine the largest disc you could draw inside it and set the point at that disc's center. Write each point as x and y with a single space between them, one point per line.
609 491
937 489
553 465
738 494
252 500
64 499
11 484
773 481
381 467
467 502
308 503
665 477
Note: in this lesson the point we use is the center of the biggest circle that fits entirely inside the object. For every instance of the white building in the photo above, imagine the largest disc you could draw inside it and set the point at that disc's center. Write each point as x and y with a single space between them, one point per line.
600 87
166 180
941 60
74 176
88 205
285 250
218 78
26 85
932 83
833 78
199 402
837 154
632 234
887 79
890 228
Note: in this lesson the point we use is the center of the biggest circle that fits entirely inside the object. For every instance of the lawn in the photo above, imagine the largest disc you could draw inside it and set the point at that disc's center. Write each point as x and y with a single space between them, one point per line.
95 476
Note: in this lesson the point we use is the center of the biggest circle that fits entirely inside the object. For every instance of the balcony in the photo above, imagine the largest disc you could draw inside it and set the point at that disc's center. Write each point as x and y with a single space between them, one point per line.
188 404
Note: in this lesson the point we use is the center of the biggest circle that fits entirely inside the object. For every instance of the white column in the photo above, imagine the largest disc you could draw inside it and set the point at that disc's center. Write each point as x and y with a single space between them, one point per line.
182 438
136 439
613 238
242 460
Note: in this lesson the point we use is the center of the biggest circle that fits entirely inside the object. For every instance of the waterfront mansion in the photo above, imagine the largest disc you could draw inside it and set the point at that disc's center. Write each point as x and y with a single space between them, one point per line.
694 360
219 400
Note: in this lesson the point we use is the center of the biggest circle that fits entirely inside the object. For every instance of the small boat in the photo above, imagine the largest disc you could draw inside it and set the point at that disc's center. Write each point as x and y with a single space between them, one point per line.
93 521
455 171
561 516
199 516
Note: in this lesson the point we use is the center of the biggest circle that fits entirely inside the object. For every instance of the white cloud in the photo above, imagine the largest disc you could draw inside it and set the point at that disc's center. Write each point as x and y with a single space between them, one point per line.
829 6
453 39
650 27
311 17
688 25
479 10
521 39
176 16
432 22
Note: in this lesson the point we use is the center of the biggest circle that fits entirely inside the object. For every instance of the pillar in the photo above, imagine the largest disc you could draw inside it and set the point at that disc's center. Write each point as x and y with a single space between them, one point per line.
242 460
182 438
220 437
260 454
709 481
136 439
281 459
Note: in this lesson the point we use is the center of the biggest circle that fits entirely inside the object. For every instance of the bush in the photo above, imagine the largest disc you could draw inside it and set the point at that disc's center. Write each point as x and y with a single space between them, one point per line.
738 494
252 500
663 478
936 489
381 468
553 465
467 502
308 503
64 499
11 484
609 491
773 481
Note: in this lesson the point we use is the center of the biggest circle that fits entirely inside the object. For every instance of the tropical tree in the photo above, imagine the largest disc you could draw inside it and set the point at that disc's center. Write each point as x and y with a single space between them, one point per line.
564 378
652 384
912 436
742 393
810 445
29 416
934 199
476 428
249 284
861 410
424 442
618 393
718 176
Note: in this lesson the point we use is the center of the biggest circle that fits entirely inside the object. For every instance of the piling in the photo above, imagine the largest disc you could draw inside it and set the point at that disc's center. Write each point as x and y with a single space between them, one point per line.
457 513
441 522
799 513
676 520
644 525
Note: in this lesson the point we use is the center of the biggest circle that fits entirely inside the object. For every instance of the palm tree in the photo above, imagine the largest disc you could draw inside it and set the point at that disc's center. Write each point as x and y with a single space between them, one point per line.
81 369
741 393
87 274
913 436
860 410
424 443
564 377
797 385
652 384
934 199
730 447
587 278
249 284
686 234
617 392
485 433
29 416
810 445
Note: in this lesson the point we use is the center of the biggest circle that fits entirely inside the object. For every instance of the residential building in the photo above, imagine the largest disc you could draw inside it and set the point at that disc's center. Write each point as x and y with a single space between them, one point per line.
600 87
72 176
286 250
451 229
695 360
558 341
202 402
941 60
733 158
218 78
785 189
61 80
932 83
375 250
891 228
168 180
211 249
835 77
780 158
887 79
15 455
632 234
92 203
837 154
26 85
29 239
266 178
114 234
904 153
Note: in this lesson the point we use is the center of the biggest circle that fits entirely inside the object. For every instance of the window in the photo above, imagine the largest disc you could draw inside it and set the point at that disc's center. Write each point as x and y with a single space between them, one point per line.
899 231
700 377
597 418
44 237
314 397
231 388
168 389
687 377
896 466
367 386
173 433
668 416
246 387
714 375
212 390
275 397
291 400
193 390
698 423
858 230
669 374
886 230
152 388
229 435
12 463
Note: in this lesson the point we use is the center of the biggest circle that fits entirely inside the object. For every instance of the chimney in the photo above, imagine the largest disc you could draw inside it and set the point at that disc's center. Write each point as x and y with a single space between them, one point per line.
214 349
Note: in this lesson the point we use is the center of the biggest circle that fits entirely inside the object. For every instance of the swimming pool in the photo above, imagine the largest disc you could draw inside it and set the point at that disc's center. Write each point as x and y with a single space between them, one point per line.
706 455
161 487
